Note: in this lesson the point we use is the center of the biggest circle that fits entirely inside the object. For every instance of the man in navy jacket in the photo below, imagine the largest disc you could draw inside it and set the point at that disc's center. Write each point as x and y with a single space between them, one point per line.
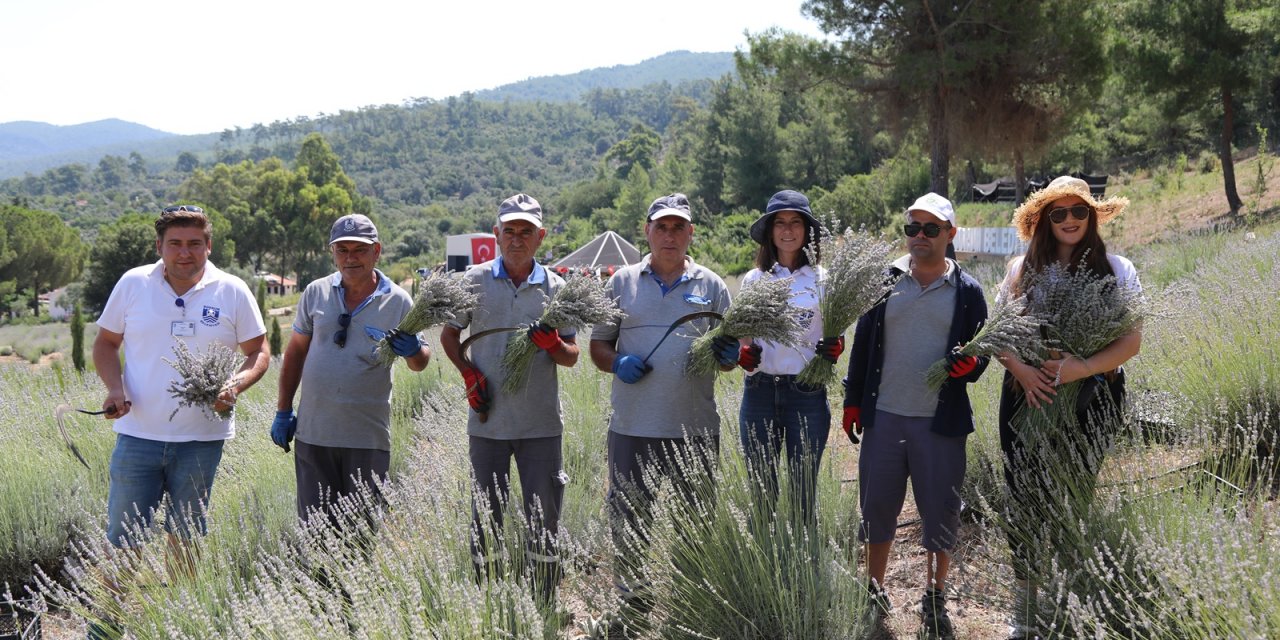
906 429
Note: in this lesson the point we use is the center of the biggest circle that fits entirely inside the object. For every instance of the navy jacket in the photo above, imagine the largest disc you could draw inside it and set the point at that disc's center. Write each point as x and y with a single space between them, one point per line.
954 416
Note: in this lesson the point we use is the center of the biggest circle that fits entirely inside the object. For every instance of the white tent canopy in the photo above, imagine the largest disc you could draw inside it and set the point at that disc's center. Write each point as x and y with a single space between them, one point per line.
605 250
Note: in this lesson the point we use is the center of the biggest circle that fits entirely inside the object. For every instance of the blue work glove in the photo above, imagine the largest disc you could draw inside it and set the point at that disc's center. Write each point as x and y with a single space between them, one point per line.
283 428
405 345
629 369
726 350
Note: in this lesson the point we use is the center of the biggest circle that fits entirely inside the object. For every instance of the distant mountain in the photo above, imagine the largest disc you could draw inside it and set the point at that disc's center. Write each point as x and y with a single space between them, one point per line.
32 139
674 68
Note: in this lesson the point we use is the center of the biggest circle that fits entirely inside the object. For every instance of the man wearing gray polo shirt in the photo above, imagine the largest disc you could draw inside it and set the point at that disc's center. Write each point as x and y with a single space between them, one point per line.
526 424
343 423
907 430
659 412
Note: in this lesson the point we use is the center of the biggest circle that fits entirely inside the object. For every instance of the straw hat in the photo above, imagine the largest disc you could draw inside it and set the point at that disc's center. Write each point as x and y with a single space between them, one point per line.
1027 216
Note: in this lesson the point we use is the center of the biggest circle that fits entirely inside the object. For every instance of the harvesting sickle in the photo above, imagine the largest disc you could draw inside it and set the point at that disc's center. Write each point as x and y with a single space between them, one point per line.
61 411
466 344
679 321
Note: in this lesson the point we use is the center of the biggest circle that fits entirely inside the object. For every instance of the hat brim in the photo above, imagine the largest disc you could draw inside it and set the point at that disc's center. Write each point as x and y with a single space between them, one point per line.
352 239
1027 216
530 218
760 228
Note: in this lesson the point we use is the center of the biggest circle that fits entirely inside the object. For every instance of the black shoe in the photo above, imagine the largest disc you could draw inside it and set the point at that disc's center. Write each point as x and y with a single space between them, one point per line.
878 605
935 624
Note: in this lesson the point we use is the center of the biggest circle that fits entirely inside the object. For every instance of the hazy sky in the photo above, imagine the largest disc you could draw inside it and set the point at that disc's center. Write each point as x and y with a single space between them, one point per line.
197 67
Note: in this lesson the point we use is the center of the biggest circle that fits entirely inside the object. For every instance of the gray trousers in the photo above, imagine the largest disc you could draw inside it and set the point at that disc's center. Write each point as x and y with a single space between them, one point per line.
542 481
326 474
689 463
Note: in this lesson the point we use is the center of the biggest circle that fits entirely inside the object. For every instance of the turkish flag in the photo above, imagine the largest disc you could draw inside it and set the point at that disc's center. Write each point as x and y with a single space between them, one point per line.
483 250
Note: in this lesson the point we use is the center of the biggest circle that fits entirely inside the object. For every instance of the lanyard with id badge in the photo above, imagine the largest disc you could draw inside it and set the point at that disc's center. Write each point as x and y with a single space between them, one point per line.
182 328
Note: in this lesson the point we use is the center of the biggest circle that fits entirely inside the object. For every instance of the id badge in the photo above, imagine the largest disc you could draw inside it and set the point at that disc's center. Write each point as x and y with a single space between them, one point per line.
182 328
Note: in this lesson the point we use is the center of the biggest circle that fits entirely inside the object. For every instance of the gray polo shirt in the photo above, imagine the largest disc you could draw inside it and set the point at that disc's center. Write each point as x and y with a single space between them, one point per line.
346 392
917 321
533 411
666 402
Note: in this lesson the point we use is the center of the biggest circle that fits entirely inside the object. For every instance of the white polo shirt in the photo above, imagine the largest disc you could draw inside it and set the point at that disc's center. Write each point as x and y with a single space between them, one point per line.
142 307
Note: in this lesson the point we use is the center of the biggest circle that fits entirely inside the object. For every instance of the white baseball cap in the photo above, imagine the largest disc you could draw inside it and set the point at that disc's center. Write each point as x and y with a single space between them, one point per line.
935 205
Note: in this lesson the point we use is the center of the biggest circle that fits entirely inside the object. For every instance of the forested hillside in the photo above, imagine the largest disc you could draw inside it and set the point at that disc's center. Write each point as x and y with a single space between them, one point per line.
863 122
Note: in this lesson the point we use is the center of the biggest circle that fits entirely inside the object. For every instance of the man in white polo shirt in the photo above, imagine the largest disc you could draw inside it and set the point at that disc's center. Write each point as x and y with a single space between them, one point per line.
343 422
659 412
182 297
513 290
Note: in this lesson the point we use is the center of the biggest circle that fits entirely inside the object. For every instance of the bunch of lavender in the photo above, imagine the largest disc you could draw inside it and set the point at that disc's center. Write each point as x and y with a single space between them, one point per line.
204 377
761 310
1007 328
441 298
1082 313
855 282
582 302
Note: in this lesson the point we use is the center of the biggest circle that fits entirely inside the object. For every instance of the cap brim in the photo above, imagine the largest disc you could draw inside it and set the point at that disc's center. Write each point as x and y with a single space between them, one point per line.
352 239
665 213
508 217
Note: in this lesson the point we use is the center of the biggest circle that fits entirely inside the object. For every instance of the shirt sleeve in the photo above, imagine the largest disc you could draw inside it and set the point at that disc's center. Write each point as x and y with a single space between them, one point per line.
1005 290
306 303
463 320
609 331
112 318
249 324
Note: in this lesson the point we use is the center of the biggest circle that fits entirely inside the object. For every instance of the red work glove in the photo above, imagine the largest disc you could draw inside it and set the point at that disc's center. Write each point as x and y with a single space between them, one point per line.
545 337
852 424
477 389
960 365
749 356
830 348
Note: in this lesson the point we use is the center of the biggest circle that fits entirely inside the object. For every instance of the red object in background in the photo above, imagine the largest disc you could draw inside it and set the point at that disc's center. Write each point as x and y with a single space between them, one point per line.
611 268
483 249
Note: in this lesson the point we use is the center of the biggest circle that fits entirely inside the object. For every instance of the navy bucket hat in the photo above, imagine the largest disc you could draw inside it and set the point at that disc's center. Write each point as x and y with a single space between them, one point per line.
786 200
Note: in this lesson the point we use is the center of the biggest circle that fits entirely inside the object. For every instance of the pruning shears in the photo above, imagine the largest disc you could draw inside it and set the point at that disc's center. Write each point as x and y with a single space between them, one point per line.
466 344
679 321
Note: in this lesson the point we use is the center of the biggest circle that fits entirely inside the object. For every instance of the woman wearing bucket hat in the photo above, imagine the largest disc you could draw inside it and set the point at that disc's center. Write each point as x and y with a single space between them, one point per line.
778 412
1060 223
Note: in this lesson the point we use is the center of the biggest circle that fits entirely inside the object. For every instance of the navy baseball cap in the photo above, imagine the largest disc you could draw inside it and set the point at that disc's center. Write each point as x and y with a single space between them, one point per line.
353 226
676 204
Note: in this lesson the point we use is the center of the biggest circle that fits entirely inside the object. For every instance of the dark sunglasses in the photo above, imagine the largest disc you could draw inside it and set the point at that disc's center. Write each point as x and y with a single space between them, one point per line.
931 230
1058 215
190 208
340 336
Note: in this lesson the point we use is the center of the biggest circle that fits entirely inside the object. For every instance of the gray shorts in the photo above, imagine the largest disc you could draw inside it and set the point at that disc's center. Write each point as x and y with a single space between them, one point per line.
895 449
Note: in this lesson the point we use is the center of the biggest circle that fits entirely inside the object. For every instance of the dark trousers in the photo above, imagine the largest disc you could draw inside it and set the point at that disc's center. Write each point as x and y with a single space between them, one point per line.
1051 477
687 462
542 481
779 414
327 474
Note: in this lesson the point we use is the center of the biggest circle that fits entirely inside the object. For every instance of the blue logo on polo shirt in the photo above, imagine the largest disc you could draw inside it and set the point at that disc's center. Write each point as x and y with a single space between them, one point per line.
209 316
696 299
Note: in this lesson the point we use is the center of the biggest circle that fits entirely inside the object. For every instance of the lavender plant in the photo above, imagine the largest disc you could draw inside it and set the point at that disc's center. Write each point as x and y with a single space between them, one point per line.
203 377
856 280
761 310
582 302
1007 329
440 298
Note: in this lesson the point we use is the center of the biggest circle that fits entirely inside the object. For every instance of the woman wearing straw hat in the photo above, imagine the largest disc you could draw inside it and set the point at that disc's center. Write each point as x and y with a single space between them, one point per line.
778 412
1060 223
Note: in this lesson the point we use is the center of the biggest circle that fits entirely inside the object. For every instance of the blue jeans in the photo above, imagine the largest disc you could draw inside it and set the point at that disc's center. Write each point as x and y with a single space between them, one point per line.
142 471
779 414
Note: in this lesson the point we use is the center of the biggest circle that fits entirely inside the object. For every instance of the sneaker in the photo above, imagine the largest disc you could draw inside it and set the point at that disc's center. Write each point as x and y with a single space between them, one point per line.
878 605
935 624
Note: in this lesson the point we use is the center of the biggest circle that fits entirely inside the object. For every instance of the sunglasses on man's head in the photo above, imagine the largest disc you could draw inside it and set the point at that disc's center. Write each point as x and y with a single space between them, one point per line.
931 230
340 336
190 208
1058 215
